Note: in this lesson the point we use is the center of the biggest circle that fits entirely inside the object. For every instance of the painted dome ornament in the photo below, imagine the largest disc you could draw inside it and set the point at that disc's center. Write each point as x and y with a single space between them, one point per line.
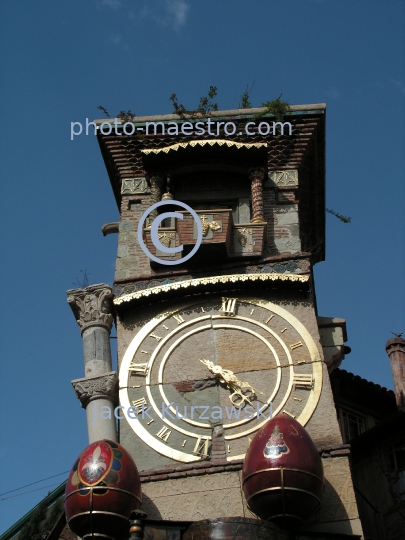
282 474
102 490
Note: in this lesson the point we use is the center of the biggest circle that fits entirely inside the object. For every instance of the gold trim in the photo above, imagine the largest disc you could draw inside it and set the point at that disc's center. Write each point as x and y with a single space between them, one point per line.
135 423
103 488
211 142
178 455
96 512
284 469
233 278
283 488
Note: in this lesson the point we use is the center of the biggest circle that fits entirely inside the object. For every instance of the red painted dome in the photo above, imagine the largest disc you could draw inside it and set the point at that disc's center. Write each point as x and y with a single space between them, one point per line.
283 474
102 489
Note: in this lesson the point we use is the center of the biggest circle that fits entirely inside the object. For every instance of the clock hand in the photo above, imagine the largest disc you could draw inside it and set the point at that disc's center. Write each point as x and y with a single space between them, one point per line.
228 377
225 375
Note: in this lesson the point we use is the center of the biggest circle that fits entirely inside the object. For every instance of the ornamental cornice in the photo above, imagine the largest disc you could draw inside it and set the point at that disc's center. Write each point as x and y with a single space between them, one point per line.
207 142
98 387
92 306
235 278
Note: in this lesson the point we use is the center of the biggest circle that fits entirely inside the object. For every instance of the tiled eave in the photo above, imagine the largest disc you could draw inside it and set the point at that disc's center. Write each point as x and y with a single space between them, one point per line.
121 151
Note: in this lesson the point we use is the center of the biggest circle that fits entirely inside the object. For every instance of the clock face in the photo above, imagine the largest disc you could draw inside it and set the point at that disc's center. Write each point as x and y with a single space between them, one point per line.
227 363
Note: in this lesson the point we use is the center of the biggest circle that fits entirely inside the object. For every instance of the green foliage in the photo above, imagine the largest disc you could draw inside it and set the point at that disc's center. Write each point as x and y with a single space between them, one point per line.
39 524
104 110
178 108
276 107
245 102
32 529
53 516
205 105
84 281
343 219
126 116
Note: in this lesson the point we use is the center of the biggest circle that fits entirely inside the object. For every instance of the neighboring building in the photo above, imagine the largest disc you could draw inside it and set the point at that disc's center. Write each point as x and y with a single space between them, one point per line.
372 421
234 325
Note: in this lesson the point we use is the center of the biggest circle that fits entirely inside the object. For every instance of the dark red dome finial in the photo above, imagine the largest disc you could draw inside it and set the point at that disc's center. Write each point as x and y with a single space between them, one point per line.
282 474
102 489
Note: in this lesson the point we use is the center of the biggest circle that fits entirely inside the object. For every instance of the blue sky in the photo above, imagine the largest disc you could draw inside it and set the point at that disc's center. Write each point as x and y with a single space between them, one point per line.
60 60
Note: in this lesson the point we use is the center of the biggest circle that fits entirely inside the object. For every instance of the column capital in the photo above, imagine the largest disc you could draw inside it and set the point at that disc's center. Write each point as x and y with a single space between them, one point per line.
98 387
256 173
157 178
92 306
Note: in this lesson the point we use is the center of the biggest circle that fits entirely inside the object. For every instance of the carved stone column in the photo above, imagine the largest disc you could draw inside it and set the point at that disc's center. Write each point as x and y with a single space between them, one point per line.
156 190
256 175
99 396
93 310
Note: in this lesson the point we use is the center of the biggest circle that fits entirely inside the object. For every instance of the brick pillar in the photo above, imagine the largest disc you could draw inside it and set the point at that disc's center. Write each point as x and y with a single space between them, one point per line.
256 176
396 351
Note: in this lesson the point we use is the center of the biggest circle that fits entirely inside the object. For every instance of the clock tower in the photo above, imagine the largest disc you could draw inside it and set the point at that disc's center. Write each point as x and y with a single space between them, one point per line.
211 346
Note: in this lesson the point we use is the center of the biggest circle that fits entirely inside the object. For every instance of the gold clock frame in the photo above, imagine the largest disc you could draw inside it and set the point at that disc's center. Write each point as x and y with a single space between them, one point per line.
162 448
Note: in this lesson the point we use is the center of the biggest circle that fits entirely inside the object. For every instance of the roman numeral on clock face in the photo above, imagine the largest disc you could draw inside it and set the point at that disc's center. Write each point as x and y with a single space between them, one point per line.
178 318
295 345
304 380
228 306
158 338
139 403
163 433
201 447
141 369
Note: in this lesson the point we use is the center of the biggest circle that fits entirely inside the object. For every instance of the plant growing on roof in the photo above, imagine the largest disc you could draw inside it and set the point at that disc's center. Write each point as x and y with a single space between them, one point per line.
244 102
205 106
343 219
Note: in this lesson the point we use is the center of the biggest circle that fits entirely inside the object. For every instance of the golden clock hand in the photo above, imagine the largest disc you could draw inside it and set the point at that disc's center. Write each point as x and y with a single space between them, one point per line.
248 385
229 377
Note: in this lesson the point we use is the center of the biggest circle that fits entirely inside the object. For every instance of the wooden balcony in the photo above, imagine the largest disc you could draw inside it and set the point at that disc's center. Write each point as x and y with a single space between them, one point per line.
222 240
217 233
248 239
168 237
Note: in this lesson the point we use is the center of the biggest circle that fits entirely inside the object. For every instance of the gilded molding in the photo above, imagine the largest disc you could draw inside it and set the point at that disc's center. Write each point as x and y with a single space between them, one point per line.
92 306
99 387
208 281
192 144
